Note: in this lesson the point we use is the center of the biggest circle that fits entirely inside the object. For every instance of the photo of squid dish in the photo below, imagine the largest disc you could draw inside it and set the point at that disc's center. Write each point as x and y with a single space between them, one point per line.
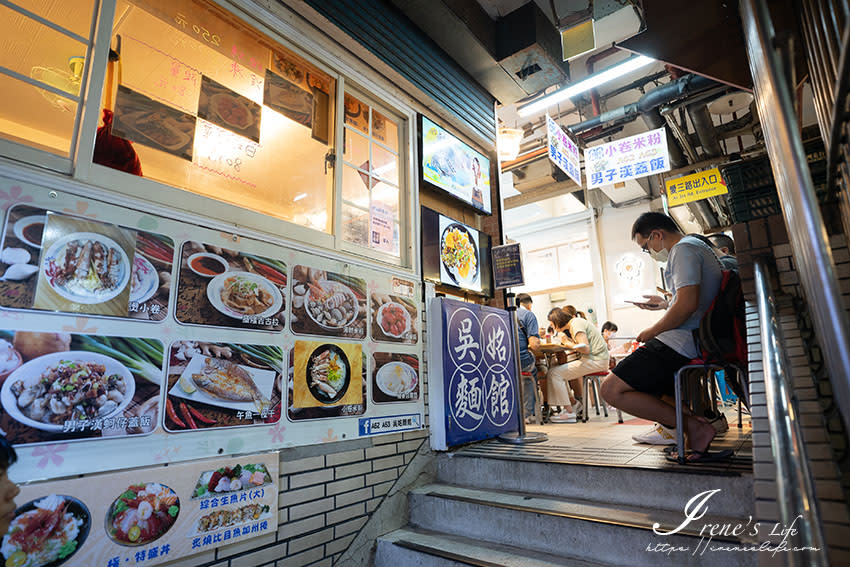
331 305
141 514
58 387
228 517
232 479
86 267
46 532
458 254
328 373
238 294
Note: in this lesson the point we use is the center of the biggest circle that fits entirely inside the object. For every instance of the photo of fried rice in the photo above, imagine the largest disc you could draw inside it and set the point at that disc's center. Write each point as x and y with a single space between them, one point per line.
47 531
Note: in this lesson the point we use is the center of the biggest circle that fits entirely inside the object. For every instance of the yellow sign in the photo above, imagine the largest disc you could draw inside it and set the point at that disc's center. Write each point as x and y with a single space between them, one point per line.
695 187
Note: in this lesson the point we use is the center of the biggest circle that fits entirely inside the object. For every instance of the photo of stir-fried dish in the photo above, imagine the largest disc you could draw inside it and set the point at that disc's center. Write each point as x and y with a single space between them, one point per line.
226 380
47 531
231 110
231 517
142 514
86 267
238 294
63 386
458 253
328 373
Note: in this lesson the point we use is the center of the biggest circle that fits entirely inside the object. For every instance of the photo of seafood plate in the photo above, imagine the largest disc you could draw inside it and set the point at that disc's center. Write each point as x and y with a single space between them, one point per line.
54 388
86 267
221 382
232 479
229 517
141 514
458 254
328 373
237 294
46 532
331 305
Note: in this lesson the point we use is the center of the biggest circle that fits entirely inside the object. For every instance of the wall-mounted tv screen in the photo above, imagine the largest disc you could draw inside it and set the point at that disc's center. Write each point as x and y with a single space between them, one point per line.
455 254
453 166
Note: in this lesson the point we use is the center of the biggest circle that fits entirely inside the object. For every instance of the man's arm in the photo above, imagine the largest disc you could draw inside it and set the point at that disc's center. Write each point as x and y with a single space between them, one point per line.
533 344
685 303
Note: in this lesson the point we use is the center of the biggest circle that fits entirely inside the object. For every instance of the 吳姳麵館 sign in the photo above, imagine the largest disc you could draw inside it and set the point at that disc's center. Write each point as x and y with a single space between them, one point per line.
695 187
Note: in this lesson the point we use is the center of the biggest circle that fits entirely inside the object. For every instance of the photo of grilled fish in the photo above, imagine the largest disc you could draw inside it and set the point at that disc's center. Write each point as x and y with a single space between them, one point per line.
223 379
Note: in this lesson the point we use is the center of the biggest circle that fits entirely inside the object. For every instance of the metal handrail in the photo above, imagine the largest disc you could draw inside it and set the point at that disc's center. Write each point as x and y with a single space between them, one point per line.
806 229
794 486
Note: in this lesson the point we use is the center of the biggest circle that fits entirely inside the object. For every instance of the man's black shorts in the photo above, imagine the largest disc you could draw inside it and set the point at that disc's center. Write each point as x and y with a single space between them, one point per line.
651 368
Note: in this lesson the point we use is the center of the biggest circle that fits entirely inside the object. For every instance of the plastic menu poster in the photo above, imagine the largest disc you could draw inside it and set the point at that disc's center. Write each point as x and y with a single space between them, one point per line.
395 377
214 385
394 313
145 516
326 380
227 288
83 266
61 387
327 303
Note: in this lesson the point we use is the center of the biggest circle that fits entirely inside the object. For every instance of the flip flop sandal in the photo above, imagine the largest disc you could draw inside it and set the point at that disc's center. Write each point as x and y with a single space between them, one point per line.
702 456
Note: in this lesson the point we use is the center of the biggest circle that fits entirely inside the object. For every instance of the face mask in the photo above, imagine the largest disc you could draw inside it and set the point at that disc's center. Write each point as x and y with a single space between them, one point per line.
660 256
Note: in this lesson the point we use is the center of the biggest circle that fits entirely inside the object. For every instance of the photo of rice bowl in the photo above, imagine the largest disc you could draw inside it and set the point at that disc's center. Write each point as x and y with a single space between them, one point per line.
46 532
141 514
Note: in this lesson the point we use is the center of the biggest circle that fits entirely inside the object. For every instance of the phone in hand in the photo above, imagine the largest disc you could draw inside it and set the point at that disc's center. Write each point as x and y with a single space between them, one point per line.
637 302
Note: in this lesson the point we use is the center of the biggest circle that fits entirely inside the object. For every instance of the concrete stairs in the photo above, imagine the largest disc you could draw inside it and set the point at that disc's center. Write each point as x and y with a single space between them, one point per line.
496 512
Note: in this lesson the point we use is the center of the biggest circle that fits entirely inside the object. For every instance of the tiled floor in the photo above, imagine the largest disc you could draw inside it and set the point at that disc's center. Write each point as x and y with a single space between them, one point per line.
602 441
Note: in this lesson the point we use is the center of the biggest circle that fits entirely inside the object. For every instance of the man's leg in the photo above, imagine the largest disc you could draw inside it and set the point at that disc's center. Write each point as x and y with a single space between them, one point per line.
529 387
647 406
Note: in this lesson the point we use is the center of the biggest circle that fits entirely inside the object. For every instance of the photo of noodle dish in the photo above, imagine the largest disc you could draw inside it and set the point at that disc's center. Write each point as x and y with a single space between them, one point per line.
459 254
141 514
241 294
396 379
58 387
328 373
46 532
86 267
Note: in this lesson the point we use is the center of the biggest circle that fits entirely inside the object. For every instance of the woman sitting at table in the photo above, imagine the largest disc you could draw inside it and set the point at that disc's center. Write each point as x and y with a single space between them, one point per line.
587 340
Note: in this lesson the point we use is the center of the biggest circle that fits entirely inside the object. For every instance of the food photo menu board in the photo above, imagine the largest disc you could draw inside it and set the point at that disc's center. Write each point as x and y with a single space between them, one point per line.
214 385
328 304
454 254
144 516
395 377
59 262
326 380
62 386
221 287
394 313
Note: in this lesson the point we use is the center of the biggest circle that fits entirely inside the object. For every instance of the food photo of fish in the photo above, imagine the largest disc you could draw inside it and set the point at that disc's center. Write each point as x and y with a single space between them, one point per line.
226 380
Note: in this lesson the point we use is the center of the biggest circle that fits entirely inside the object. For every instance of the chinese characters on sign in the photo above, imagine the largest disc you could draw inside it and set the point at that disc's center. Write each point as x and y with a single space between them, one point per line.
563 151
507 266
478 373
695 187
630 158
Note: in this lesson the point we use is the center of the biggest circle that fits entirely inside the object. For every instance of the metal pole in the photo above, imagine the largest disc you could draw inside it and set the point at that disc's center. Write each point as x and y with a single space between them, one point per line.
809 240
794 486
521 436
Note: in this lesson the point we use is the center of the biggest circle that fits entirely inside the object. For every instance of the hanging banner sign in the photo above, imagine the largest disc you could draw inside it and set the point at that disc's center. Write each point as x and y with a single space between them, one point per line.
563 151
630 158
695 187
472 375
507 266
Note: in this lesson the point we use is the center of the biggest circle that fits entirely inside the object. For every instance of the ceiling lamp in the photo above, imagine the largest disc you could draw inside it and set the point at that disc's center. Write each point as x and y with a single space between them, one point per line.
508 143
591 82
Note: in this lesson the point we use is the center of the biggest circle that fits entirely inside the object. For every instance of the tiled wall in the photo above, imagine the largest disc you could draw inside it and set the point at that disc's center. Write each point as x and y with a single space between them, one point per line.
825 441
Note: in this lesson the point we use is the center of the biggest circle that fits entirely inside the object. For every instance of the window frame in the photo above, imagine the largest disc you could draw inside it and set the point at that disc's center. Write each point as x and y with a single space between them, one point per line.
80 167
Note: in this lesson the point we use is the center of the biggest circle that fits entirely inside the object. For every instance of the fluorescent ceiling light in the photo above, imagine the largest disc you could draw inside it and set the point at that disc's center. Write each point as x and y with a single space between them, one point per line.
591 82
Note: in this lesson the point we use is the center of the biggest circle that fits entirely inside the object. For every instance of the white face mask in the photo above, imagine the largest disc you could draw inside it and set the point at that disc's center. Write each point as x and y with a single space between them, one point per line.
661 255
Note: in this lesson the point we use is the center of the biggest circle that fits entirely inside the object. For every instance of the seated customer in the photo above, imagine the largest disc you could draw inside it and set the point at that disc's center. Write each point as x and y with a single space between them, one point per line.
589 342
8 489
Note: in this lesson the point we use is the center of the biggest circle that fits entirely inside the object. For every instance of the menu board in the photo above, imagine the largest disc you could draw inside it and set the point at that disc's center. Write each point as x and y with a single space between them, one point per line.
224 361
454 167
60 262
62 386
213 385
144 516
226 288
455 254
229 110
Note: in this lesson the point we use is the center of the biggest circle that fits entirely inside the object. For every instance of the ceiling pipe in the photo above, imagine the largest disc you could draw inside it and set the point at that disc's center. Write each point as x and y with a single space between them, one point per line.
704 126
594 94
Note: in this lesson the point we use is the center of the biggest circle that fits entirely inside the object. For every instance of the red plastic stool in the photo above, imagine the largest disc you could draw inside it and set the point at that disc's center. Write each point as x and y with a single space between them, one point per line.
595 379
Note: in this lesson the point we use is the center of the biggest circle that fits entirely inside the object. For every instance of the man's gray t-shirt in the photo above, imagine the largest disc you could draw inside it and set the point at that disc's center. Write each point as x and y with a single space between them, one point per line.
691 262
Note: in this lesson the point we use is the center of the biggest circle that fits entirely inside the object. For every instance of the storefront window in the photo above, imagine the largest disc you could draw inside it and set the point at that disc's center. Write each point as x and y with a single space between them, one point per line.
370 178
217 109
41 71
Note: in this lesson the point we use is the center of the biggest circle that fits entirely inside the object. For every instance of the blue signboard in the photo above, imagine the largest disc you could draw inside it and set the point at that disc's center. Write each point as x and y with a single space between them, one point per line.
473 379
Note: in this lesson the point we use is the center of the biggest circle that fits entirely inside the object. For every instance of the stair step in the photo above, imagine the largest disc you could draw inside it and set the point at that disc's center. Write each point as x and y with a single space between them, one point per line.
559 525
410 547
645 488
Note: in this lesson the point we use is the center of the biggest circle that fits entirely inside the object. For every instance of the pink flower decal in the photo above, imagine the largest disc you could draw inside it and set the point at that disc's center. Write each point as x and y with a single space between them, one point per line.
330 437
230 237
81 209
276 432
13 197
80 327
48 454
